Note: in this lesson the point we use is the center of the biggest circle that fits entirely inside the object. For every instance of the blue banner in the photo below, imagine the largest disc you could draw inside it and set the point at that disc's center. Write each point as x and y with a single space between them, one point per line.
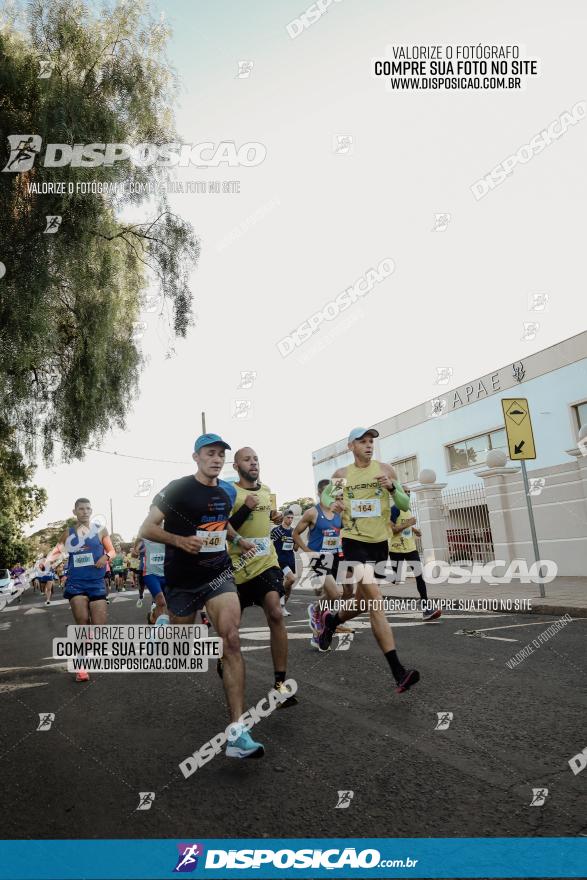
294 857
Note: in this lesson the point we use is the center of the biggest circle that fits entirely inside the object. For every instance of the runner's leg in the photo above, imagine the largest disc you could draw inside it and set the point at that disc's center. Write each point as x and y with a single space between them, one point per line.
225 613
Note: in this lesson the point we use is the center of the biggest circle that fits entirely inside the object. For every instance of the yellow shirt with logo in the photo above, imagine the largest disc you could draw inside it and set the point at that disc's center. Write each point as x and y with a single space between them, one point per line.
257 528
404 541
366 505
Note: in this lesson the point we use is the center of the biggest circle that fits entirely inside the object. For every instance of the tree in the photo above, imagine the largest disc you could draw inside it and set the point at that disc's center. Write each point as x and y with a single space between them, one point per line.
68 302
21 502
304 503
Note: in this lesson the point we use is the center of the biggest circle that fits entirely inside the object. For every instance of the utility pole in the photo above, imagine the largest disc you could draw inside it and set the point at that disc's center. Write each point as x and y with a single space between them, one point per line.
111 519
203 423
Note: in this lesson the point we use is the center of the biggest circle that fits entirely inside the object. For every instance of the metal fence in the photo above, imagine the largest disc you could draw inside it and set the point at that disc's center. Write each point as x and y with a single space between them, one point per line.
468 529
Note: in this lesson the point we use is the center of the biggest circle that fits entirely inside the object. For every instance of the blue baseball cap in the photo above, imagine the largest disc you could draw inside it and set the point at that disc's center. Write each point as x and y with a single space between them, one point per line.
209 440
359 433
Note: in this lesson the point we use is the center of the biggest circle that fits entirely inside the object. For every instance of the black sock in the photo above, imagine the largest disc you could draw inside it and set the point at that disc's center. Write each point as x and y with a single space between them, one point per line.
397 669
333 621
279 678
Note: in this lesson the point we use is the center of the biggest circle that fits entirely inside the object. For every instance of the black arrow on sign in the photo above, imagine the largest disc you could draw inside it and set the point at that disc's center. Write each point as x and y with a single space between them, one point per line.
518 447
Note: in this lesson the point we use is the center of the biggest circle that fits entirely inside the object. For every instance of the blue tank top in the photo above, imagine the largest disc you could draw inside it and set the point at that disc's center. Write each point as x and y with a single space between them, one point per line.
154 558
81 564
324 537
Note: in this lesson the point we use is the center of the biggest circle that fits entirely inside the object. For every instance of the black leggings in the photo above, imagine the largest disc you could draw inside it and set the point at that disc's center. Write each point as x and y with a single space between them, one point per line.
412 556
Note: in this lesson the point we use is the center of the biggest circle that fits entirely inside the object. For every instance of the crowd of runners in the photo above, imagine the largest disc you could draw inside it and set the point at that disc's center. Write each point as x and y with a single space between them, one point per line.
216 548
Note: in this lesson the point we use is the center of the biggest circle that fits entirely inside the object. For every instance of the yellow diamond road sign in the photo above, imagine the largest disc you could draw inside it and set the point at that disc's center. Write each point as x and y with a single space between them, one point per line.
518 425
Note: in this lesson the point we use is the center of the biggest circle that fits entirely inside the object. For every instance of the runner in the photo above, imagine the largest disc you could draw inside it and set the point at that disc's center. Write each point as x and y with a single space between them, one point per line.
197 569
367 486
324 546
134 566
46 582
259 579
402 549
282 537
89 549
152 577
138 552
118 570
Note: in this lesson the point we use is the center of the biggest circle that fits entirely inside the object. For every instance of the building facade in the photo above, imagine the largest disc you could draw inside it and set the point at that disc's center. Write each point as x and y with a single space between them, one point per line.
453 432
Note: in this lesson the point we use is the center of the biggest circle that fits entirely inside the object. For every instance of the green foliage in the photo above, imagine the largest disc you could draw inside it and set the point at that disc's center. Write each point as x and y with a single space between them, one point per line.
21 502
304 503
69 366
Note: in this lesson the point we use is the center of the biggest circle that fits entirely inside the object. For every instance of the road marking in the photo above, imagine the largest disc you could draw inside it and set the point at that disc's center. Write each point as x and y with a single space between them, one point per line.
255 647
6 688
35 611
515 625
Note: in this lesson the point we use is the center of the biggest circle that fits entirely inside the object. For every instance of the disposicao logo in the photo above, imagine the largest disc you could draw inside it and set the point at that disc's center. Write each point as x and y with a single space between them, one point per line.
187 860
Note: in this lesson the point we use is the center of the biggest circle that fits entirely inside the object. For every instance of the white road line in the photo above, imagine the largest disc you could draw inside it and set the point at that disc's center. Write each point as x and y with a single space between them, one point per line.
515 625
6 688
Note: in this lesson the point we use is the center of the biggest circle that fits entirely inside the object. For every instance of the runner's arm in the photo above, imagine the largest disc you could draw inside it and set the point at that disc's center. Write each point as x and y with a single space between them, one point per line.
55 553
152 531
238 518
307 521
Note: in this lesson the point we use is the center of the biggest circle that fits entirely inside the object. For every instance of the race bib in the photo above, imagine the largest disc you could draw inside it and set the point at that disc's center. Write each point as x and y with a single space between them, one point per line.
214 542
288 545
330 542
82 559
365 507
262 545
157 558
407 533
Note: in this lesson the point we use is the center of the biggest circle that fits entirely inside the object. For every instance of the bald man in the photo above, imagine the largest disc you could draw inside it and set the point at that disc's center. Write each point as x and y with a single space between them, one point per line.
259 579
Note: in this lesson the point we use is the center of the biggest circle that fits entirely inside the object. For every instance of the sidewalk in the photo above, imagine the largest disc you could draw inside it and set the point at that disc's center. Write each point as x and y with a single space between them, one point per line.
564 595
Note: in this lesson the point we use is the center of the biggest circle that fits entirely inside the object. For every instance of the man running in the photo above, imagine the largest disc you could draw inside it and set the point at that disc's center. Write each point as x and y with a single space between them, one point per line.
282 537
89 549
368 485
152 578
402 549
46 582
324 546
196 510
118 570
259 579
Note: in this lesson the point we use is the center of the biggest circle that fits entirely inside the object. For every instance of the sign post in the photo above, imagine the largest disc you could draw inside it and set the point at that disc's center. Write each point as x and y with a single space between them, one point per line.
518 426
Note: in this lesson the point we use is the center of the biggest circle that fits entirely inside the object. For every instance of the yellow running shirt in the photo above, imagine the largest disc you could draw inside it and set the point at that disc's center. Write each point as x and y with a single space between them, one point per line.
404 541
366 505
257 528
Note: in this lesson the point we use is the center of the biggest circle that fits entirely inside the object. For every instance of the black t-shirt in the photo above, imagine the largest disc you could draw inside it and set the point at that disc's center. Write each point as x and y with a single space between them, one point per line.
189 508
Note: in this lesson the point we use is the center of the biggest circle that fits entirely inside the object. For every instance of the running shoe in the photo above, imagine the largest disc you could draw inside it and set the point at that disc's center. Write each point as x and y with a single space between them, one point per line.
139 603
243 745
314 642
47 602
431 614
287 701
409 678
285 612
108 600
313 618
82 675
220 667
326 631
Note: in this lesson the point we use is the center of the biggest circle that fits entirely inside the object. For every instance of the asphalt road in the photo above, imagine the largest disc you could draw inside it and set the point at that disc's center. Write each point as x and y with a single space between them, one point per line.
512 731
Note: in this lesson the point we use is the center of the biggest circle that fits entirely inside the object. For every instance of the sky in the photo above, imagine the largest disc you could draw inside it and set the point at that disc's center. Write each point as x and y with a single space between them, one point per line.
354 174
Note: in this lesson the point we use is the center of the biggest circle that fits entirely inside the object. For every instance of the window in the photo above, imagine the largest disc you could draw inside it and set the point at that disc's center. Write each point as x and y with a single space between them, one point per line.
406 469
580 410
473 451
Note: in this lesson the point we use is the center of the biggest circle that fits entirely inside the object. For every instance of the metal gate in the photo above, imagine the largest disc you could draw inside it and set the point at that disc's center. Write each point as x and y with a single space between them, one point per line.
468 529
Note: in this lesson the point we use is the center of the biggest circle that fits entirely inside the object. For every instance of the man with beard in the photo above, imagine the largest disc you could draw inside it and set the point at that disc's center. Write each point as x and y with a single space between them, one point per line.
259 579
